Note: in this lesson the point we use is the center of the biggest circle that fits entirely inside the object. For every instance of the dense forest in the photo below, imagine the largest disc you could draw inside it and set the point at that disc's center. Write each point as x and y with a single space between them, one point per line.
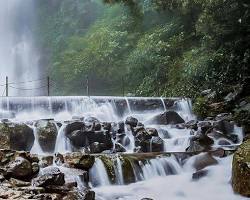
144 47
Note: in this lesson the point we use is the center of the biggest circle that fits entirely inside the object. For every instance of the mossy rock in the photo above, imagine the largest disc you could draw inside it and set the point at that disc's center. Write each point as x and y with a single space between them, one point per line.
79 160
128 171
241 170
16 136
109 165
4 136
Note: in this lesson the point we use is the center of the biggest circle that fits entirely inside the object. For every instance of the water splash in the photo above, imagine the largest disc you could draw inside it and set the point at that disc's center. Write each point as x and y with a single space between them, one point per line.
98 174
18 57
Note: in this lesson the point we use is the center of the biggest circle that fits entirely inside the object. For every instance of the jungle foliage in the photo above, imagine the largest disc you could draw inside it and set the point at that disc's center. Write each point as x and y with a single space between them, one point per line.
144 47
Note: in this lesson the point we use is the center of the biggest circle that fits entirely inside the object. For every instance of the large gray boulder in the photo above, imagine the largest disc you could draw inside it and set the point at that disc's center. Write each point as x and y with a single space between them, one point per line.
155 144
132 121
47 134
79 160
51 176
169 117
16 136
20 168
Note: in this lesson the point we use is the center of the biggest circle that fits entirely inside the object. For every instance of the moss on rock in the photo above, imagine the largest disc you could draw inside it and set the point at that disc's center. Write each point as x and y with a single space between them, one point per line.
128 171
241 170
4 136
109 165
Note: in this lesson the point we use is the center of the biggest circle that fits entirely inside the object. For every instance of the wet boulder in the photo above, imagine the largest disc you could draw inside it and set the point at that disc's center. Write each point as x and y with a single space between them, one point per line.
220 136
131 121
20 168
155 144
19 183
80 195
152 131
119 148
47 134
168 117
73 126
194 146
78 138
204 126
21 137
241 170
192 124
199 174
46 161
16 136
97 147
91 120
121 127
141 134
200 142
225 126
107 126
204 160
4 136
79 160
50 176
224 123
99 136
202 139
87 136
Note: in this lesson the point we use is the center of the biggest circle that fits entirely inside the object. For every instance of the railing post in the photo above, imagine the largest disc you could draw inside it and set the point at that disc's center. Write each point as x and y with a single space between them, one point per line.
48 85
7 86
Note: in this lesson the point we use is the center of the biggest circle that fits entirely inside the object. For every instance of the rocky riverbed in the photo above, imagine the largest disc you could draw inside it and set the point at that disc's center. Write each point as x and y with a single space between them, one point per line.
78 157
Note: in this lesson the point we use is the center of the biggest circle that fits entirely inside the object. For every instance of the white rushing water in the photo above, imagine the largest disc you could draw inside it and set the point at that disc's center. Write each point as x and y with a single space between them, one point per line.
98 174
216 185
18 56
159 178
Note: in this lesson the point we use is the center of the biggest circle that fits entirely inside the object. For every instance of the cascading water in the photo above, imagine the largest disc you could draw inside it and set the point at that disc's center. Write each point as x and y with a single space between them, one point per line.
152 176
98 174
18 57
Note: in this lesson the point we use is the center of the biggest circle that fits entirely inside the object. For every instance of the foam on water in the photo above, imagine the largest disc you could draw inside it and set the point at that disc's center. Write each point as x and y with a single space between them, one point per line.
216 185
98 174
159 178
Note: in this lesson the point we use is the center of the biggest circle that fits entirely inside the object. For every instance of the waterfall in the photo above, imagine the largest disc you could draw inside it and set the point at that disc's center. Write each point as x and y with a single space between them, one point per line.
98 174
62 143
119 171
163 104
159 167
185 109
118 176
18 56
36 148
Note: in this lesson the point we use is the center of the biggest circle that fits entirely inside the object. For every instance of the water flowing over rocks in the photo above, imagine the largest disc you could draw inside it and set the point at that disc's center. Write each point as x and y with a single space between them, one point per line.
96 145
